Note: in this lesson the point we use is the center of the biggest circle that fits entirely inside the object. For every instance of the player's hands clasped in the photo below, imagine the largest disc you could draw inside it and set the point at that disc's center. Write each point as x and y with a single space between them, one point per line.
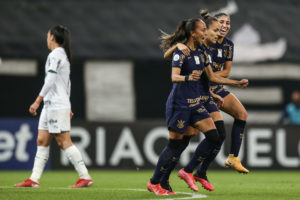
195 76
243 83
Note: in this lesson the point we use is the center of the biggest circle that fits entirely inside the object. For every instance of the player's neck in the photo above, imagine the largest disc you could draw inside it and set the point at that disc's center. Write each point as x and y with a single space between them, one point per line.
207 43
54 46
191 44
220 40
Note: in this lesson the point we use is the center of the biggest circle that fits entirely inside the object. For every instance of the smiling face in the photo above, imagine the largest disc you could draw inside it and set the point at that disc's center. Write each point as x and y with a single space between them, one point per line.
225 25
213 32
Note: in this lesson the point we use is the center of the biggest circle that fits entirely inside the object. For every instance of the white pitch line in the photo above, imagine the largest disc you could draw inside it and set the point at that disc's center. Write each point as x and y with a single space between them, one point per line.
191 195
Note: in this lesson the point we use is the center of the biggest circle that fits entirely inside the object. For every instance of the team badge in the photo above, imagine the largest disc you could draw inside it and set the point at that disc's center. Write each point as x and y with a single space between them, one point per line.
200 110
180 123
176 57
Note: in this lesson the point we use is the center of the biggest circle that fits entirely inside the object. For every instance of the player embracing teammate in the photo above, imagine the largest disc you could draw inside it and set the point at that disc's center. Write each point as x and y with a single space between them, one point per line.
190 103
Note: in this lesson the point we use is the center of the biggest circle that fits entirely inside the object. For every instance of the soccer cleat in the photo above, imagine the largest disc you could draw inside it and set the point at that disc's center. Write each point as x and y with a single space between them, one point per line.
28 183
189 179
166 186
82 183
156 189
235 163
204 182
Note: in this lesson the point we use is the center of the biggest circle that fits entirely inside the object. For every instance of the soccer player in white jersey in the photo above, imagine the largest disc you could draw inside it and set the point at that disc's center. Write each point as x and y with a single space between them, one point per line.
56 114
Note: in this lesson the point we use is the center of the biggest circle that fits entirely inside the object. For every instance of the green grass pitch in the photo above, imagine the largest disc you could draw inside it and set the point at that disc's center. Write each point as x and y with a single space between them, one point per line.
229 185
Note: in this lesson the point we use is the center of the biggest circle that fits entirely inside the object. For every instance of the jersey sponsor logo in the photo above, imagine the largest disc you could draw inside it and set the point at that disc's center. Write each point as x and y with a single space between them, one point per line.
176 57
180 123
197 60
220 53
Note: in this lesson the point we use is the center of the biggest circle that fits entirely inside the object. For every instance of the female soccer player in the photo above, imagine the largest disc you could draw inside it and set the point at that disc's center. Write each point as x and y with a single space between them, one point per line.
56 114
185 105
221 54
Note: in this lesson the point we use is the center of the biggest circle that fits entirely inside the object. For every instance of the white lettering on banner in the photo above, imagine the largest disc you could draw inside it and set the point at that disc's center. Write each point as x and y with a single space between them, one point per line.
100 146
281 151
254 147
7 144
85 140
126 148
22 137
149 141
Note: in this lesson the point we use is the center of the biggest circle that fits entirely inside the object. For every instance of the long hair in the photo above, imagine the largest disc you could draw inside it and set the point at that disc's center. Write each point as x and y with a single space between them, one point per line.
207 18
62 37
181 34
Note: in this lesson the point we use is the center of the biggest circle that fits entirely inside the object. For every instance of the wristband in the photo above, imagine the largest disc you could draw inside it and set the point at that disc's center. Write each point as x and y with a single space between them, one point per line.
186 79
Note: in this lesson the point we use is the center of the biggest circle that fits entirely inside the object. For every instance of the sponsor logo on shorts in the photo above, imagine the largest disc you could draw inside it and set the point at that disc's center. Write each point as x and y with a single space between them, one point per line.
180 123
52 121
201 110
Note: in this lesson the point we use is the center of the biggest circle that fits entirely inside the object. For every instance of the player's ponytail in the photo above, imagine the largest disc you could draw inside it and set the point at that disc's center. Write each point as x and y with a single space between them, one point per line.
181 34
62 37
207 18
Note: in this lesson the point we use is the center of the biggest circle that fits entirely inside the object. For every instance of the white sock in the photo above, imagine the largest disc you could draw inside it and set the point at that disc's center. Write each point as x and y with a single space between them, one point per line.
41 158
75 157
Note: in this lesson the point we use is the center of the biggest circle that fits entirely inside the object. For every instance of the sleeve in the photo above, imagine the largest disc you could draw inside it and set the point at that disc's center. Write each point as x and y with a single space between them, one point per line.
178 58
54 62
49 82
229 56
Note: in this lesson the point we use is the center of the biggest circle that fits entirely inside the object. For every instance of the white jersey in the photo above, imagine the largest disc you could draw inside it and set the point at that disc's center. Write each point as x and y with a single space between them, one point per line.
58 97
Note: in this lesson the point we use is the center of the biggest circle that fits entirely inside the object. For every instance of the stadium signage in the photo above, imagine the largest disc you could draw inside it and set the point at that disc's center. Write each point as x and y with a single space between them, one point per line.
137 145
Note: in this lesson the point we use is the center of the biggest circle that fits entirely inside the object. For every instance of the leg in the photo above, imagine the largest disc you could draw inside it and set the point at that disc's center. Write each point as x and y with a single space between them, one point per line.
42 154
64 142
233 107
164 181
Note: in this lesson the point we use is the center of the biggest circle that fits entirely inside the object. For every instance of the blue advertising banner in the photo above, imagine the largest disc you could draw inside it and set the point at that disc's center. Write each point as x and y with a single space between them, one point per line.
18 144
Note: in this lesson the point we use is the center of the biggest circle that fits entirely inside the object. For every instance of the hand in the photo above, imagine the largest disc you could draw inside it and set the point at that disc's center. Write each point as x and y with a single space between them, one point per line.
185 50
243 83
33 108
71 114
218 100
195 76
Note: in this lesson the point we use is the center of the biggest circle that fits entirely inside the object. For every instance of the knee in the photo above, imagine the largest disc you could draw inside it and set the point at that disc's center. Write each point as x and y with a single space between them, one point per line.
242 115
41 142
212 136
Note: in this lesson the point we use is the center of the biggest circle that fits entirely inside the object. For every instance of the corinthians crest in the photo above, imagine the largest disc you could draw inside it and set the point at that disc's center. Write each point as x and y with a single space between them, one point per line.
180 123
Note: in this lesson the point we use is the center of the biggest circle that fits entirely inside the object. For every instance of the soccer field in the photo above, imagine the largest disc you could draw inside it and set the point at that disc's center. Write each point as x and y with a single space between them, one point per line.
258 185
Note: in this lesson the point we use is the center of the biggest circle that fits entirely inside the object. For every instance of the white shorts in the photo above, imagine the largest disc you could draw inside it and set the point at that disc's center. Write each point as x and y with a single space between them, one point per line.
55 121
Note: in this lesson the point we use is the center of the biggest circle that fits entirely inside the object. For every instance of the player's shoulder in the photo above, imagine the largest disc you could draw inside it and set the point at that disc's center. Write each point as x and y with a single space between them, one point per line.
177 55
57 53
228 41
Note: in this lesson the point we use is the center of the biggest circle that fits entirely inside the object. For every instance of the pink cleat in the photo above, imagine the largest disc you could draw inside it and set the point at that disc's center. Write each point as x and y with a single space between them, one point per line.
189 179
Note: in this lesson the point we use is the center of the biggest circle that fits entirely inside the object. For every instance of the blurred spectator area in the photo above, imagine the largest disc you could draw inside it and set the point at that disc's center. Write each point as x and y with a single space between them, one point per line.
118 71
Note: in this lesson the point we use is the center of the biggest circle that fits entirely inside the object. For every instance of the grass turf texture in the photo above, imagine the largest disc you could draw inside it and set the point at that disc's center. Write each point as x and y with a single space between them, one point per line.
258 185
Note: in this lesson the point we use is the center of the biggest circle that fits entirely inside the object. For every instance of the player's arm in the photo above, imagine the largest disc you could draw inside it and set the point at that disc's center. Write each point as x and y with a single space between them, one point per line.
226 71
176 77
212 77
185 50
217 98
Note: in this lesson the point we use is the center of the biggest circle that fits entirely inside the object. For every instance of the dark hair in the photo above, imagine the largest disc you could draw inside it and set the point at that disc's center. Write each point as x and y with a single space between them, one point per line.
220 15
207 18
182 33
62 37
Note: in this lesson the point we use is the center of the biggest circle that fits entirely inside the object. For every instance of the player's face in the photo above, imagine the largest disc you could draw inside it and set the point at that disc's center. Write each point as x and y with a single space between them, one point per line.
213 32
225 25
50 39
200 32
